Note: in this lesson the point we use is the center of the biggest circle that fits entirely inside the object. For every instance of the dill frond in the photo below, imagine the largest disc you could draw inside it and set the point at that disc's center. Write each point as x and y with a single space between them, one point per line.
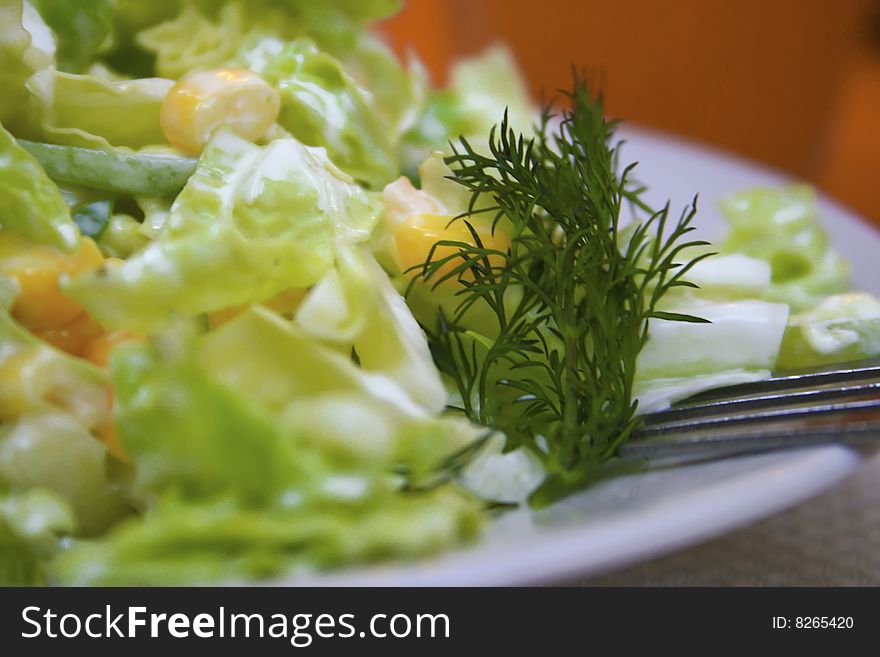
571 297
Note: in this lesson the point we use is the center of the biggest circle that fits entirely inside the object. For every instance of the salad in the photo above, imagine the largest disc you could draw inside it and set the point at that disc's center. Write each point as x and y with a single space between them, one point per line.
270 303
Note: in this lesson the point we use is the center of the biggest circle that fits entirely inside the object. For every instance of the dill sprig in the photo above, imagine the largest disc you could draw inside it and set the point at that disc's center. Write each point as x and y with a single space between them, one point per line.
571 297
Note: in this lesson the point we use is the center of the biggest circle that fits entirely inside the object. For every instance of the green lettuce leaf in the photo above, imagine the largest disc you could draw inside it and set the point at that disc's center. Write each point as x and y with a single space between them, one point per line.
31 527
840 328
399 94
30 203
91 109
481 89
81 28
781 226
250 223
356 305
54 452
27 49
50 403
321 105
219 540
201 34
95 111
740 335
257 449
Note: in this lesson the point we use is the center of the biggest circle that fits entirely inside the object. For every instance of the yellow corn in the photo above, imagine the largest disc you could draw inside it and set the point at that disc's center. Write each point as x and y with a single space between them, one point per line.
415 236
40 304
75 337
200 103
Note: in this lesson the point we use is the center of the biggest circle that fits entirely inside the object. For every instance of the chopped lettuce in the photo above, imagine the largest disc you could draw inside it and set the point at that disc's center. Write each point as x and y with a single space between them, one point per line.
482 88
399 94
730 277
321 105
204 34
356 305
499 476
122 236
80 109
781 226
27 49
258 449
81 28
840 328
95 111
250 223
50 405
660 393
30 203
53 451
220 540
740 335
32 525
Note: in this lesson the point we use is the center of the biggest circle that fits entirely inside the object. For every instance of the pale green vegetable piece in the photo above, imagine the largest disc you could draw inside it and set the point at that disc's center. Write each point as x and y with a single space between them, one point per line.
267 372
122 237
782 227
659 394
192 41
96 112
113 170
183 429
740 335
77 109
321 105
503 476
257 449
27 48
728 277
250 223
399 94
196 35
220 540
46 379
435 176
356 305
52 403
30 203
840 328
80 27
31 527
292 369
481 89
53 451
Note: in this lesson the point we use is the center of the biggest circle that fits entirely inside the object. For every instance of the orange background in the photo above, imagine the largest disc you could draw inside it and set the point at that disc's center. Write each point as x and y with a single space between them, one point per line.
792 83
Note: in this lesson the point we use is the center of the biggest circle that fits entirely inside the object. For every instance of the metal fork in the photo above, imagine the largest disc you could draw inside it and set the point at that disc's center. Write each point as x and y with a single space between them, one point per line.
837 404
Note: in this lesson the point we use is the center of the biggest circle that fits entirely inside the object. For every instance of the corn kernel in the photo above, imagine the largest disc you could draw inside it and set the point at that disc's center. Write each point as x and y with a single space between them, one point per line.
36 269
200 103
418 233
75 337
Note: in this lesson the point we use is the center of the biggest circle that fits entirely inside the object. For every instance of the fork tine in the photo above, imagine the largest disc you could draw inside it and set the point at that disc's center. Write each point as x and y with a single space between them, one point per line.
696 444
821 398
836 404
840 374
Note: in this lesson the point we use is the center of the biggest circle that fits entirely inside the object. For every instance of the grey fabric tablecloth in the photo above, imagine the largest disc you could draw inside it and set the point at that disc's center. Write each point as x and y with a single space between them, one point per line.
830 540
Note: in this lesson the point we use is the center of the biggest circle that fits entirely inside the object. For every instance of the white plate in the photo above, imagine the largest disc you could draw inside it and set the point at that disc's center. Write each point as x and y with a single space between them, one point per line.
640 516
